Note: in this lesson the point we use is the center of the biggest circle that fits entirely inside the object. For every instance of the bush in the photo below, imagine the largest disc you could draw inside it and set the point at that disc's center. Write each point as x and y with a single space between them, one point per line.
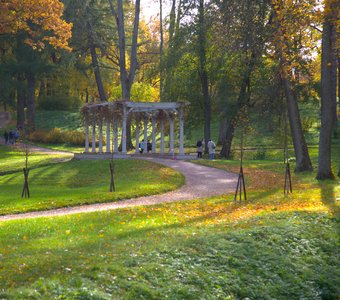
58 136
55 136
260 154
59 103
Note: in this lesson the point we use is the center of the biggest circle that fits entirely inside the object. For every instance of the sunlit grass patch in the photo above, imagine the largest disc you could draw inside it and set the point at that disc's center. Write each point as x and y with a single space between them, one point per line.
12 159
84 182
181 250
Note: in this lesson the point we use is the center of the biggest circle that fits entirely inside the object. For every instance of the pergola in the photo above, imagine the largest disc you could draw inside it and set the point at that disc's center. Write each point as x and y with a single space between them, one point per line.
115 116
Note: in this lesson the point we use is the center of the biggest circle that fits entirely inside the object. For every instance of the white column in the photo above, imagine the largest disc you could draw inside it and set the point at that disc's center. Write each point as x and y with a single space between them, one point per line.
171 137
108 130
145 135
137 136
100 150
115 135
181 132
93 134
124 130
162 137
86 134
153 135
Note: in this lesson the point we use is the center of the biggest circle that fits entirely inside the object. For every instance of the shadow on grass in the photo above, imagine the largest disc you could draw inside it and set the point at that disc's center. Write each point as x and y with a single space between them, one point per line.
328 196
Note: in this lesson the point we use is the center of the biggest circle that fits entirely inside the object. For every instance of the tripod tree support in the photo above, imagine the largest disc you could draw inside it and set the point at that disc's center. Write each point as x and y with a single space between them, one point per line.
241 186
25 191
288 180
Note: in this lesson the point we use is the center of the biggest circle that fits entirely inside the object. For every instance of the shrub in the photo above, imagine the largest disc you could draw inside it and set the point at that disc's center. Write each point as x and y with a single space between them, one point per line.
260 154
58 136
38 136
74 137
55 136
59 103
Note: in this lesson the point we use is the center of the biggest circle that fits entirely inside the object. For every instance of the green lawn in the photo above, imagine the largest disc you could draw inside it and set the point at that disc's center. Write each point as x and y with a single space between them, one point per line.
65 120
203 249
12 159
79 182
270 247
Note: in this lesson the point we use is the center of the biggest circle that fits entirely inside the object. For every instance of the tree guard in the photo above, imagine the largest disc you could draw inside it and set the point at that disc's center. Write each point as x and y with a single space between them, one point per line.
25 191
288 178
241 186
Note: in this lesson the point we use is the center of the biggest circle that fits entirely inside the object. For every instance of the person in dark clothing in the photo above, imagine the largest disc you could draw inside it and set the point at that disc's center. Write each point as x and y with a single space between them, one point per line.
149 146
11 137
199 146
6 136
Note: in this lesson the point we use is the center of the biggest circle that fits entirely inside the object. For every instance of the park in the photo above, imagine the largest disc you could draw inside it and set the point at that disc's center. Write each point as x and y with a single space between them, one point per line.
169 149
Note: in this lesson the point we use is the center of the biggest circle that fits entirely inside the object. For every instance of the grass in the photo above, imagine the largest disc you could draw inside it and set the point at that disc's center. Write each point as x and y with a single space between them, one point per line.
79 182
65 120
63 147
270 248
12 159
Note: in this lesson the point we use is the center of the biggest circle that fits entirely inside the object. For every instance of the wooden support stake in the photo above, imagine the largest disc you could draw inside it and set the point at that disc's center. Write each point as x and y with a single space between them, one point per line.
241 186
288 180
25 191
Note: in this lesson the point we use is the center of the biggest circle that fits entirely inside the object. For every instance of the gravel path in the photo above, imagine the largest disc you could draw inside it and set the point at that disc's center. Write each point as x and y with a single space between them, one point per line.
201 182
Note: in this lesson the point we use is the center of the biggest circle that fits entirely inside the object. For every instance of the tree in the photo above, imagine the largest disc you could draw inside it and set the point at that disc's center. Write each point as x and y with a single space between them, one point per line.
291 41
40 19
91 30
126 78
246 23
203 73
328 89
37 24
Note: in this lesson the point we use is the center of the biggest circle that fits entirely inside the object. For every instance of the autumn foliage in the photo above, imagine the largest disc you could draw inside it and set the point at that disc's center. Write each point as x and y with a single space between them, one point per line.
40 19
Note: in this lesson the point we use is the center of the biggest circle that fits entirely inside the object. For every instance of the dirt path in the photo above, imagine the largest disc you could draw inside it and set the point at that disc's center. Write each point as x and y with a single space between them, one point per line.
201 182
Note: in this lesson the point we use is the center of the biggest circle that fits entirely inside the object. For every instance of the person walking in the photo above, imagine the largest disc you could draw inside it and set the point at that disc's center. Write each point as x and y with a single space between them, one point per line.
6 136
16 135
211 147
199 146
11 137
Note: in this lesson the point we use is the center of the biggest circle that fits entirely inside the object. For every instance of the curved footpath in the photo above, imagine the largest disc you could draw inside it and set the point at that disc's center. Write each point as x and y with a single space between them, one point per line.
200 182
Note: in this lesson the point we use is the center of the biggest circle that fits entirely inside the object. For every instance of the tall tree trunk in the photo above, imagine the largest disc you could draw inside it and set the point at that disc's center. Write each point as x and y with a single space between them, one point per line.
203 73
119 17
20 102
42 91
31 101
242 101
126 78
303 162
328 94
170 57
95 65
161 50
228 139
222 130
